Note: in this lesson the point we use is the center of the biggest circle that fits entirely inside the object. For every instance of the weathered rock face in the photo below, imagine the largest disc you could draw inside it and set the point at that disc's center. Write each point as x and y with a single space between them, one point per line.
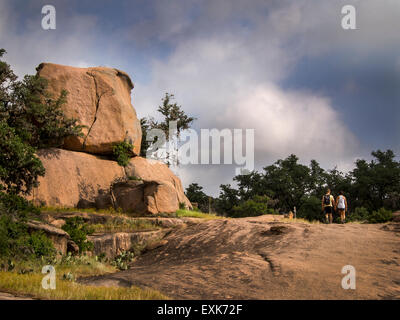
100 99
77 179
112 244
61 240
72 177
155 183
129 196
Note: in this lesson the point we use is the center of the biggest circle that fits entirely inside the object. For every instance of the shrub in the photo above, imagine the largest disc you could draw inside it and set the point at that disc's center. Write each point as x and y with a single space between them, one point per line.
29 119
310 209
123 259
256 206
15 239
134 178
78 231
182 206
359 214
122 153
380 216
41 245
19 167
362 214
12 203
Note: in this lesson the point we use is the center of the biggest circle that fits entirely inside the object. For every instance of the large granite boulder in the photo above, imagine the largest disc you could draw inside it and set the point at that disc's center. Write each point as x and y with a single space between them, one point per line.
74 177
100 99
152 188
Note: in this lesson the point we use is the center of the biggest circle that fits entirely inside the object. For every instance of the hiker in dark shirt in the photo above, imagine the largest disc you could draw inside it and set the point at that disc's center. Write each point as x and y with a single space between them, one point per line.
328 202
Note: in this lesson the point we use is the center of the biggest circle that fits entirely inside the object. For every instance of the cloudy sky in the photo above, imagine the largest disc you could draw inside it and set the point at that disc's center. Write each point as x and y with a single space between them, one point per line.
286 69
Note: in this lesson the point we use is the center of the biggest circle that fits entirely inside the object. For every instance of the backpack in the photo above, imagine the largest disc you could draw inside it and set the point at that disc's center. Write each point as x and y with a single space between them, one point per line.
327 200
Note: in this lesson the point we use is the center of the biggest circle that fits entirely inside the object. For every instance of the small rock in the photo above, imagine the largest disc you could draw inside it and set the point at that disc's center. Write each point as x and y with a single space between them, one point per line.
58 223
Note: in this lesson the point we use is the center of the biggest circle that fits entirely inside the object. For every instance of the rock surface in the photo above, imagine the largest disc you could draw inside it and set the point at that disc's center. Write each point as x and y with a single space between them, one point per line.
9 296
162 190
112 244
81 174
265 258
100 99
74 176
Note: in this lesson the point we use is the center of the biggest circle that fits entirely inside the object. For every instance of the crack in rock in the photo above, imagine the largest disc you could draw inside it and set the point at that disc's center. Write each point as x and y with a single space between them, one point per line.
98 98
274 266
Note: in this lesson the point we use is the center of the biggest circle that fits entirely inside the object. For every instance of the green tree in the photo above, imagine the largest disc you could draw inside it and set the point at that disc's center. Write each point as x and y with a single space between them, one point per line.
256 206
310 208
29 119
228 198
19 167
288 180
195 193
376 184
79 230
170 111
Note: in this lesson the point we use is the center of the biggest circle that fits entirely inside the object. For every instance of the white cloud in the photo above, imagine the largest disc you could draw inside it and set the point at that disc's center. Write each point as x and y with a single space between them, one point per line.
229 82
226 66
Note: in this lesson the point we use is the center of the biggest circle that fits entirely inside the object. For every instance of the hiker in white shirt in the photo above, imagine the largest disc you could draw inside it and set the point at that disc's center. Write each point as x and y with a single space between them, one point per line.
341 205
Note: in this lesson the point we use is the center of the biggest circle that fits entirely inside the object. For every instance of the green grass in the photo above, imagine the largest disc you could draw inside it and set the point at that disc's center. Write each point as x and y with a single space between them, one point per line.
26 277
196 214
30 284
110 211
124 226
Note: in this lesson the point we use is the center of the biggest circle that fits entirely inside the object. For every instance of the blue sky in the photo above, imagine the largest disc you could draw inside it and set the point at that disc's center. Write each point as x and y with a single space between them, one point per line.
285 68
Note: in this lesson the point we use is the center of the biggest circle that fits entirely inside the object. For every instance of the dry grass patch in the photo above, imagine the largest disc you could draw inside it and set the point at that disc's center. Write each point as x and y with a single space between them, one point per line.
124 226
196 214
30 284
110 211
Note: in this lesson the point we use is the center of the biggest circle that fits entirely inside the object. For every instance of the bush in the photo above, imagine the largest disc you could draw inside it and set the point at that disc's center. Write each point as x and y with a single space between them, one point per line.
78 231
41 245
19 167
359 214
12 203
380 216
362 214
256 206
182 206
15 240
10 233
310 209
122 153
29 119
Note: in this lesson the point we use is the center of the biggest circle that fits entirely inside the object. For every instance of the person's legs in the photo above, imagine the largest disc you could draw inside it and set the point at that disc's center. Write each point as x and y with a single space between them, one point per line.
342 215
328 214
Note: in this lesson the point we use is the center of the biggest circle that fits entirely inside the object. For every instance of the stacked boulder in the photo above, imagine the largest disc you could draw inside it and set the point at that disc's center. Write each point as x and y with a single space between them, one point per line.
82 172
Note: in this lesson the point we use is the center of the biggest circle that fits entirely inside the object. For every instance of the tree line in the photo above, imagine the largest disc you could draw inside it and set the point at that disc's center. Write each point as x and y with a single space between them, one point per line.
371 188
